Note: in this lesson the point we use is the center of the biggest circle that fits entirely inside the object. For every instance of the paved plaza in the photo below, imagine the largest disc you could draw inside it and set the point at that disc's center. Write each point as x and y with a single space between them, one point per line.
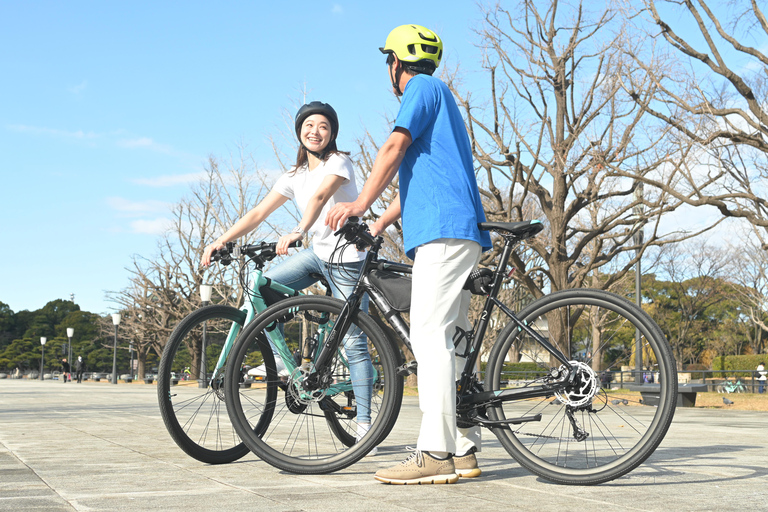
100 447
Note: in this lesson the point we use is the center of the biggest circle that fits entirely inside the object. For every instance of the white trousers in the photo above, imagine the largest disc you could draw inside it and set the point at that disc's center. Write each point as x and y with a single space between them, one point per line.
438 306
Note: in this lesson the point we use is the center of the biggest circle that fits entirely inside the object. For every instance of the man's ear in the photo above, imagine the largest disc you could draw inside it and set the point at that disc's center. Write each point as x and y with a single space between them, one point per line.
396 63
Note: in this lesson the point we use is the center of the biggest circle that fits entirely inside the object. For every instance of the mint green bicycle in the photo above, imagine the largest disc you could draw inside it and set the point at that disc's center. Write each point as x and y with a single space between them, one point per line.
192 369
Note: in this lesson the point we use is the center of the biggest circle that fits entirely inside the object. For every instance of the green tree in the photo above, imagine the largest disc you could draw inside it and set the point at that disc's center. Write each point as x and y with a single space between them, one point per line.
7 325
45 320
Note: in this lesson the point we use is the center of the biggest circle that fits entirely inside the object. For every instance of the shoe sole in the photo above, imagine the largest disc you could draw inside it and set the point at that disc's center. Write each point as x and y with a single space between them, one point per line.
427 480
469 473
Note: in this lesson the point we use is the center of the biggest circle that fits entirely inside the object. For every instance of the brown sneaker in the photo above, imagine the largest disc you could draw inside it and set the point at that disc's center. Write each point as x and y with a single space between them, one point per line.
466 465
420 468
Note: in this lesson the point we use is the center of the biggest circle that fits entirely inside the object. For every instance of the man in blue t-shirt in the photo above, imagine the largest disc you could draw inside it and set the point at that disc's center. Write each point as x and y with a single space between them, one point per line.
440 206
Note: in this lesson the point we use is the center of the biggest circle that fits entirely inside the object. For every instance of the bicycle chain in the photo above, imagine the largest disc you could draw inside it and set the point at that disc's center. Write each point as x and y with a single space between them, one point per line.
540 435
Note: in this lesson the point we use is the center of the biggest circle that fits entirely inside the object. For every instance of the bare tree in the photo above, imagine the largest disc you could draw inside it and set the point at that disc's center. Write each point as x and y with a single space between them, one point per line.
165 288
748 268
683 309
715 96
558 138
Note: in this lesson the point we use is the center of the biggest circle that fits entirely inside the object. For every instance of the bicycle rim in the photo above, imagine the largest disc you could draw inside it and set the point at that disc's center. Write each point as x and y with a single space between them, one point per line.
621 432
312 432
195 414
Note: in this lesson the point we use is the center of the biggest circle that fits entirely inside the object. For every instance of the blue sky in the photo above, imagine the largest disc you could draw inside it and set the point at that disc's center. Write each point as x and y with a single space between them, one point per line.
107 109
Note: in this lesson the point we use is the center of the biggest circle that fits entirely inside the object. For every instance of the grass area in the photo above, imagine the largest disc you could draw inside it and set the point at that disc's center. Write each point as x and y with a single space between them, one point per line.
741 401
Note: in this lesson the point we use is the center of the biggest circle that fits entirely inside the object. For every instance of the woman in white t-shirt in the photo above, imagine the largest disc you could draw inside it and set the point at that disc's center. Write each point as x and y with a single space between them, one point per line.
321 177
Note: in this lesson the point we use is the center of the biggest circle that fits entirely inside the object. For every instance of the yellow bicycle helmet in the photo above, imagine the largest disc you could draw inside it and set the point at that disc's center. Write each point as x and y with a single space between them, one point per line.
415 45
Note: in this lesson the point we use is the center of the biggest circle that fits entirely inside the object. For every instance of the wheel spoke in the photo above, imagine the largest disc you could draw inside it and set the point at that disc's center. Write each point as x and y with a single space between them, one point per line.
313 427
615 432
196 416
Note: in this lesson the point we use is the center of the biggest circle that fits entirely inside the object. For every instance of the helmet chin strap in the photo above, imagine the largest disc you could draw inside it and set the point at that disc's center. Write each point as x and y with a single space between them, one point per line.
313 153
395 78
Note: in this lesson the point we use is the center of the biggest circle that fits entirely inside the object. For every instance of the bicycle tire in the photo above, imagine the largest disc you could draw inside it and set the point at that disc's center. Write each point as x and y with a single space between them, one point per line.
196 417
622 432
294 440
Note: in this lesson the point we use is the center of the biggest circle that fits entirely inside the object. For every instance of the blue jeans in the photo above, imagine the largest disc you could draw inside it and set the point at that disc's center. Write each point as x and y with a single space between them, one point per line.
295 272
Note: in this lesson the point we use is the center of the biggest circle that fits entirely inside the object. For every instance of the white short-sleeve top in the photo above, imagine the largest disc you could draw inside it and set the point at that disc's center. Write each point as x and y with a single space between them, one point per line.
302 184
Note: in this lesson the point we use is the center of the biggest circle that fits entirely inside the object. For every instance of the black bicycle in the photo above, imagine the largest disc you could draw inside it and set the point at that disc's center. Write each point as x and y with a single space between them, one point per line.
559 423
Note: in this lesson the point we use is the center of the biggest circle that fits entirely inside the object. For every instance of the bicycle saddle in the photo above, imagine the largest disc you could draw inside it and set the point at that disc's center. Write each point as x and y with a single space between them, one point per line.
522 230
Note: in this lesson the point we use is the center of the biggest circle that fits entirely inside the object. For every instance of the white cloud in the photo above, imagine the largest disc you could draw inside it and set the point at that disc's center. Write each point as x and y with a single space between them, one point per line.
145 143
170 180
337 9
156 226
37 130
129 143
137 208
77 89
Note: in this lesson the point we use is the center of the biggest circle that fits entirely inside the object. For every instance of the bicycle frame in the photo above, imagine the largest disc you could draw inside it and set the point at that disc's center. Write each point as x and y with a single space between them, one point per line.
251 308
469 396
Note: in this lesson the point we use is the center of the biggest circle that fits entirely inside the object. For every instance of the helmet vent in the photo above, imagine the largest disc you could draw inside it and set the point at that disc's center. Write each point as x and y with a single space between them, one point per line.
431 37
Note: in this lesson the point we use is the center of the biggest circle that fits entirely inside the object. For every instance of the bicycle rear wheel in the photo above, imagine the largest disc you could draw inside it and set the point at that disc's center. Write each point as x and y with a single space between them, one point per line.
195 413
620 431
313 431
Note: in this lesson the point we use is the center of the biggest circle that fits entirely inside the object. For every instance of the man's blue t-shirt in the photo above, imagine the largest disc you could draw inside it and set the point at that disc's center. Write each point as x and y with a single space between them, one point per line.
439 197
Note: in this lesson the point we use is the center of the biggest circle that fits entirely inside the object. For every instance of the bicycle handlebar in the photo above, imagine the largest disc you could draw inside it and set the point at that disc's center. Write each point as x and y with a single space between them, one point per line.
355 231
260 253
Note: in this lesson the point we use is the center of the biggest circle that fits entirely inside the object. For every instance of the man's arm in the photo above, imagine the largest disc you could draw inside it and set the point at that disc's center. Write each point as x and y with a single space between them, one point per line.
384 169
387 218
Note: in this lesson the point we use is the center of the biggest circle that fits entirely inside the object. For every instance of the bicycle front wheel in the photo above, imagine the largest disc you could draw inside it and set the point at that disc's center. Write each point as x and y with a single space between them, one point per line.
587 433
313 429
193 411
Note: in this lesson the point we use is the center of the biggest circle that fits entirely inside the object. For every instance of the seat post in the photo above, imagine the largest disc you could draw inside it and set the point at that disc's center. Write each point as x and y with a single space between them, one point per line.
506 253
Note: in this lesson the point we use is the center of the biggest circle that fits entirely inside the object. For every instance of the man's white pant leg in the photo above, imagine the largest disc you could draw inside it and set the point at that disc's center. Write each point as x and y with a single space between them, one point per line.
440 270
466 438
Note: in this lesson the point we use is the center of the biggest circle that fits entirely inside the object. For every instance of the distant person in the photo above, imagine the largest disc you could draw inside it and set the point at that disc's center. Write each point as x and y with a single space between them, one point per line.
65 369
79 368
761 377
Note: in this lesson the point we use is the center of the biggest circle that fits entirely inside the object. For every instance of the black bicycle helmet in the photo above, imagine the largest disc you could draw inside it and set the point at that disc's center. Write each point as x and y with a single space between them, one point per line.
317 107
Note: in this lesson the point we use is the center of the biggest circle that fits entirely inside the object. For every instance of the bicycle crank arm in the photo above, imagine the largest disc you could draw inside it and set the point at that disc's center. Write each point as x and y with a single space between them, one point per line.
492 398
512 421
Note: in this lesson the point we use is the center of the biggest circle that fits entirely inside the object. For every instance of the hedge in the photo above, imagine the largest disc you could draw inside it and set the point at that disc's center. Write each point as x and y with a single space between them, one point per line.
749 363
534 369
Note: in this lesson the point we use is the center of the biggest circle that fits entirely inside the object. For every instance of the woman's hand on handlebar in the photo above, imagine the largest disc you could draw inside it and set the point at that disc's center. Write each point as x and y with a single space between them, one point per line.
208 252
285 241
376 229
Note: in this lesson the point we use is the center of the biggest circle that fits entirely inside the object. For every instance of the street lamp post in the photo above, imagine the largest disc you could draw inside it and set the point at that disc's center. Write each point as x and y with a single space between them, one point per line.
638 240
43 339
205 295
130 348
116 322
70 334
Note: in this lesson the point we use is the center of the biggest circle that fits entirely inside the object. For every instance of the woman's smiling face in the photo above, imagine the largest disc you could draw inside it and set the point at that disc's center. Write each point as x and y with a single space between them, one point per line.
316 132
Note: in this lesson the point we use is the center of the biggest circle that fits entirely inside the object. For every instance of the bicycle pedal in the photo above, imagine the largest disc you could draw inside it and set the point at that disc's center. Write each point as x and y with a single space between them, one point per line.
407 368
